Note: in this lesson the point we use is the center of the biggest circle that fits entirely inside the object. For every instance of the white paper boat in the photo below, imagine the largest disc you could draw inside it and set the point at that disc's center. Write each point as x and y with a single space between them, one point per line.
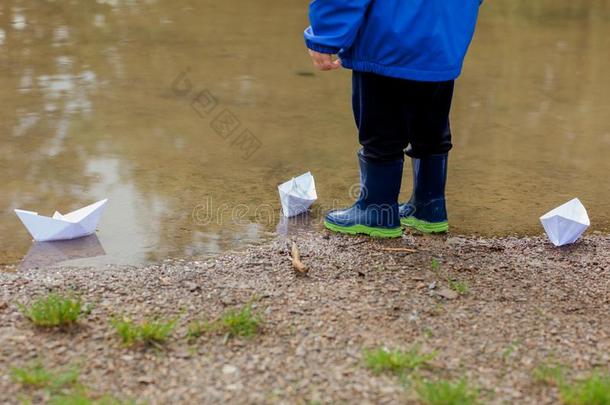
77 223
566 223
297 194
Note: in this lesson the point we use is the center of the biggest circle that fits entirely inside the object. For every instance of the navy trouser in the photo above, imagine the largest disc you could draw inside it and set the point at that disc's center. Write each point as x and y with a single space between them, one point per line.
396 116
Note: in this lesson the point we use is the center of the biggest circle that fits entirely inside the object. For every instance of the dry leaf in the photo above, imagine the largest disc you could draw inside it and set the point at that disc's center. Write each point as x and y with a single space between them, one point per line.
297 264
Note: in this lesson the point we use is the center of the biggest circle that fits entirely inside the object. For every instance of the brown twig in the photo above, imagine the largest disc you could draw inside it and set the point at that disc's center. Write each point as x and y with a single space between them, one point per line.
400 250
297 264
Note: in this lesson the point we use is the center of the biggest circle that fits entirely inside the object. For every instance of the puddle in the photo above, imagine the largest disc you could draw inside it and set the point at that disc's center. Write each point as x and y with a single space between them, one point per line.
187 118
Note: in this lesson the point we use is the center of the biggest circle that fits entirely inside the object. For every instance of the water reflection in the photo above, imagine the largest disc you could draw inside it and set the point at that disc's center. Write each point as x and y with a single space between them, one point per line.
89 113
45 254
18 22
296 225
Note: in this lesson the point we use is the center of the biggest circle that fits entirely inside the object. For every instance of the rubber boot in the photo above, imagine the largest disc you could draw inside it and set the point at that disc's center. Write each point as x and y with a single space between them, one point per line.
426 210
406 209
375 213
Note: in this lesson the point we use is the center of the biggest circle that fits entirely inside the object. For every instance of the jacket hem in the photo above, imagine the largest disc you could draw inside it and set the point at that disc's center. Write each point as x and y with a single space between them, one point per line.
401 72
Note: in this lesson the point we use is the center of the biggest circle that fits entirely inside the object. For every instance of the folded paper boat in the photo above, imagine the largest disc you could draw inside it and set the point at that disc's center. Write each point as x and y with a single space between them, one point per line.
566 223
297 194
77 223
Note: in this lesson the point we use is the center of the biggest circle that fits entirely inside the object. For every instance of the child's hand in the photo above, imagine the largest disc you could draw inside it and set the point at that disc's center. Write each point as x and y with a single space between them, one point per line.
324 61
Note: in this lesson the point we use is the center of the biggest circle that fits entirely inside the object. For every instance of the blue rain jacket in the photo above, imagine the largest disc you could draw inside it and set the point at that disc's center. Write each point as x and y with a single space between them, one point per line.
423 40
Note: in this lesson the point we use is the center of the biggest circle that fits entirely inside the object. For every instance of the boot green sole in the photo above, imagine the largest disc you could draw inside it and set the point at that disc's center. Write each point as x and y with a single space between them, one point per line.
366 230
425 227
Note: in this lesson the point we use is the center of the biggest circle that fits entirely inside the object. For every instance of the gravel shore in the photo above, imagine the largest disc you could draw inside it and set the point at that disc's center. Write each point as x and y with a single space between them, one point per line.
523 303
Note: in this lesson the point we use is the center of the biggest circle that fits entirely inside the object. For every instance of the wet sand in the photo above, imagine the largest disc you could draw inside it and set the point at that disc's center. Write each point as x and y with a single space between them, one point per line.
527 304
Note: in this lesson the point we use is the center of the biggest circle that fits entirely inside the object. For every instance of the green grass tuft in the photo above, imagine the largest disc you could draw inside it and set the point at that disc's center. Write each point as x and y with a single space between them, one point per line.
82 397
37 376
396 361
148 332
443 392
548 374
240 322
54 310
460 287
593 390
195 330
57 387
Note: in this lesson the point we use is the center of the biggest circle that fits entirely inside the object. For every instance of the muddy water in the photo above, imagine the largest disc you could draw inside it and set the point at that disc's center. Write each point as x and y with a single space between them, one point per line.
187 114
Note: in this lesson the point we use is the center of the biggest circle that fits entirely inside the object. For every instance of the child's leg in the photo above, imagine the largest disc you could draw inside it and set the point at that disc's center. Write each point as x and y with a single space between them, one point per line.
377 109
430 129
430 142
392 114
382 115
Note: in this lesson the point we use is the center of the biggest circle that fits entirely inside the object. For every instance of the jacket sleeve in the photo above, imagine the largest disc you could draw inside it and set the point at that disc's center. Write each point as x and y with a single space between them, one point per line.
334 24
